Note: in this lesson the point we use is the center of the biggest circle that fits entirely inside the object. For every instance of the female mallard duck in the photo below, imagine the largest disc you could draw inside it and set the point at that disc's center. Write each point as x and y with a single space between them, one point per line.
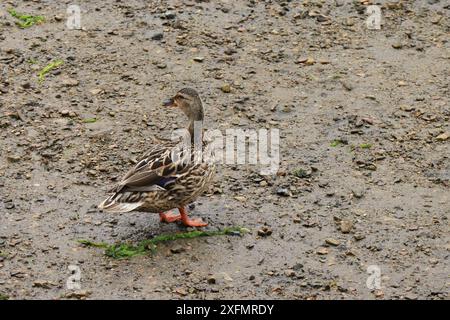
167 177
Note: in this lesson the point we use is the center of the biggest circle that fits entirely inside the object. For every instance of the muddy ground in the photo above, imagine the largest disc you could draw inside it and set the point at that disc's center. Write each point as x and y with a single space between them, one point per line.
364 125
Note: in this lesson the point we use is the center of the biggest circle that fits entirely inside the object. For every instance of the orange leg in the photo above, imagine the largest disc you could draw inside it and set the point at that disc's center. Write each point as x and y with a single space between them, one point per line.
190 222
169 216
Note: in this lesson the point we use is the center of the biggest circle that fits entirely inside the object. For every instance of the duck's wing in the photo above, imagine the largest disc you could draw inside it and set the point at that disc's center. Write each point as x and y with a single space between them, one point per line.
156 170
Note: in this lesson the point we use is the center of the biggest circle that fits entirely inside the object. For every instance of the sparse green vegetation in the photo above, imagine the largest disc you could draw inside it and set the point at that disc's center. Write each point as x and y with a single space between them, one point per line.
52 65
336 142
25 21
89 120
3 297
365 146
125 250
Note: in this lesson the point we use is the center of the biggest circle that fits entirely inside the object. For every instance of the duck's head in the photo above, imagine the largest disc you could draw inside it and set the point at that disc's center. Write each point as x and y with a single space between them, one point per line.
189 102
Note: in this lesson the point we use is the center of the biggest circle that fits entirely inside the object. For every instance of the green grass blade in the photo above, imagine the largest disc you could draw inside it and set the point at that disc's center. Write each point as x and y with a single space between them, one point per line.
125 250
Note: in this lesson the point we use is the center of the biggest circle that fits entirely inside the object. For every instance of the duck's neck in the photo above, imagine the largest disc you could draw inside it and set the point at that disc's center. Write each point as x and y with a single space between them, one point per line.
195 129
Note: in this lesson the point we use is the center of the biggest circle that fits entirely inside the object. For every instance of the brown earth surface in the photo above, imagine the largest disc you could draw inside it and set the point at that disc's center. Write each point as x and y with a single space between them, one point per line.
364 147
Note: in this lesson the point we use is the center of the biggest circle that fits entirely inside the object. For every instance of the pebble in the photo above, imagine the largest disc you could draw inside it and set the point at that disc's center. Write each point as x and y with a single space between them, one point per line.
346 226
289 273
307 61
358 193
333 242
95 91
347 85
322 251
283 192
397 45
157 36
177 249
42 284
80 294
359 236
9 205
199 59
70 82
226 88
169 15
407 108
443 136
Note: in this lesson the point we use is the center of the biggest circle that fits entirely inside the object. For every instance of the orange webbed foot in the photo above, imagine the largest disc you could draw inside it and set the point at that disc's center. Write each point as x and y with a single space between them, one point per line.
169 217
188 222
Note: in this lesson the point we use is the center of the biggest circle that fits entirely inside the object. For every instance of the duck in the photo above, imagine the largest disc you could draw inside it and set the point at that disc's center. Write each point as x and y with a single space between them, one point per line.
169 175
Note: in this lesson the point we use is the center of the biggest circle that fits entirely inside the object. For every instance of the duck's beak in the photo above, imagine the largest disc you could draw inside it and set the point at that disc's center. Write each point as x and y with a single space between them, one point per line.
169 102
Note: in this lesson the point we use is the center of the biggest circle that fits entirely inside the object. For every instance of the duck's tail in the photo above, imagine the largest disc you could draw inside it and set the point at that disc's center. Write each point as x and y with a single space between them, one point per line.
113 204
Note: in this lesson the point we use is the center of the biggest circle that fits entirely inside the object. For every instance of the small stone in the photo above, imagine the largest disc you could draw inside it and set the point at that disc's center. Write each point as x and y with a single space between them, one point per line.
199 59
406 108
170 15
310 61
65 112
346 226
226 88
211 280
177 249
69 82
283 192
359 236
13 158
397 45
26 85
289 273
95 91
332 242
358 193
307 61
80 294
379 293
347 85
157 36
322 251
42 284
402 83
9 205
443 136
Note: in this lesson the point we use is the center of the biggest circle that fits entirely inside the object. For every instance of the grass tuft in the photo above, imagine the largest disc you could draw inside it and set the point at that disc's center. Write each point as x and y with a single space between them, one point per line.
25 20
52 65
336 142
89 120
365 146
125 250
3 297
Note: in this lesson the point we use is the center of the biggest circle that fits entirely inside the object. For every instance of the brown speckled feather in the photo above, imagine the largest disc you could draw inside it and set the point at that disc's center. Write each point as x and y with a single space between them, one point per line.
158 183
